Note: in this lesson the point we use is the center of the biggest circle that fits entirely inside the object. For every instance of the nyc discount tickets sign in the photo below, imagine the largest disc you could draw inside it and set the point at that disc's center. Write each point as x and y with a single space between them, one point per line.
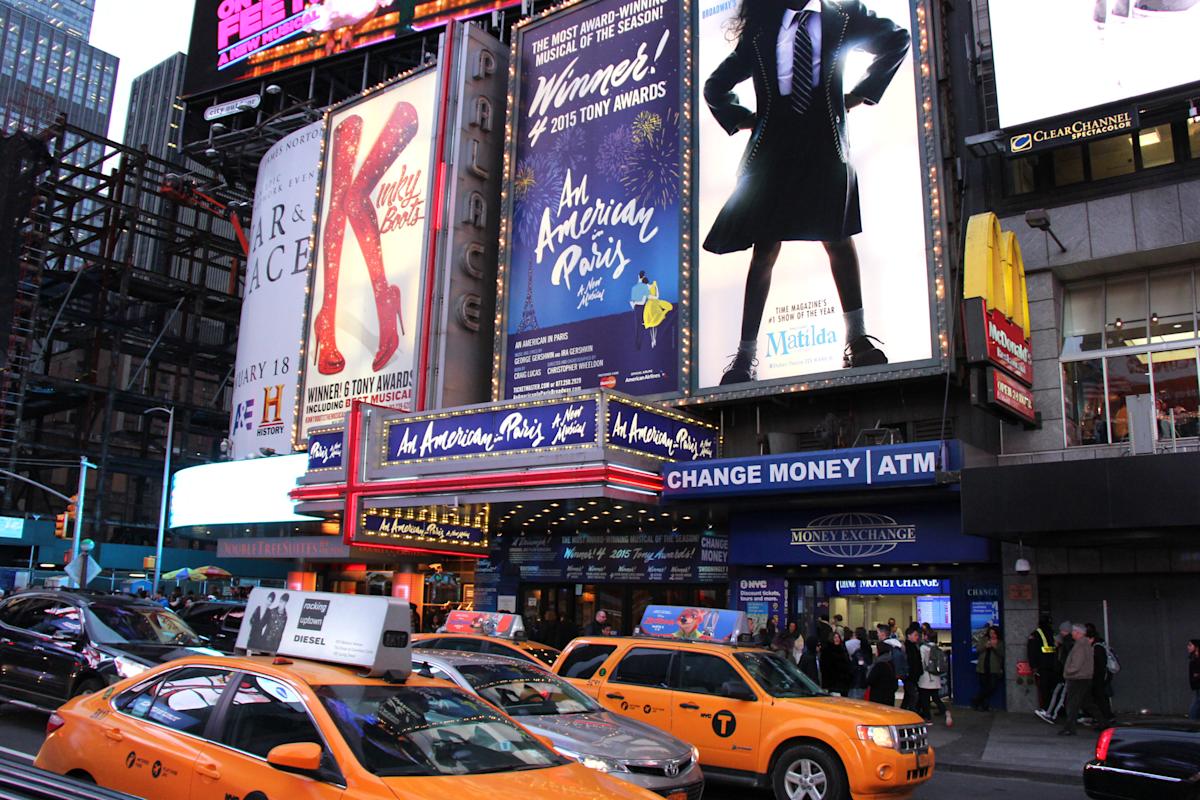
593 250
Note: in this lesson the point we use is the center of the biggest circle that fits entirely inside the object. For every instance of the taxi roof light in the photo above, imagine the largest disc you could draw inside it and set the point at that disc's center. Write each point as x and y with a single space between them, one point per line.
695 624
485 623
366 631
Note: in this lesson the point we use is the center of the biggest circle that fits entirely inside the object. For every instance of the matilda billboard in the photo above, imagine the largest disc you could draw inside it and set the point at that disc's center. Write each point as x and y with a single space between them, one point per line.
370 255
818 239
595 204
268 355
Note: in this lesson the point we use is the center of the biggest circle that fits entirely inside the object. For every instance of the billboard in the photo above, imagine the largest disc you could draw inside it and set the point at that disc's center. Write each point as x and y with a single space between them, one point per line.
236 40
818 245
370 251
595 207
268 354
1054 59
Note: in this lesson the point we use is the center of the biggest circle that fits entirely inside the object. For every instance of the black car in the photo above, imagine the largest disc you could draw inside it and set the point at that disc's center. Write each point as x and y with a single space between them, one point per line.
218 621
55 645
1133 762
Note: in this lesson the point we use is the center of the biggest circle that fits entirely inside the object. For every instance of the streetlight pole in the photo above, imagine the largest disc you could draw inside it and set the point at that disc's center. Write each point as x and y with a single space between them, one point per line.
166 490
84 466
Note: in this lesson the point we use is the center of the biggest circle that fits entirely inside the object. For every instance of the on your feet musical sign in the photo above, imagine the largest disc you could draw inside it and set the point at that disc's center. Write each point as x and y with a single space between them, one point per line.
595 204
370 251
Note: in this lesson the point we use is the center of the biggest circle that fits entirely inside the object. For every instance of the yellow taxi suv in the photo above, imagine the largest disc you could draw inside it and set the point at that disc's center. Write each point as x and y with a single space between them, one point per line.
493 634
756 719
331 712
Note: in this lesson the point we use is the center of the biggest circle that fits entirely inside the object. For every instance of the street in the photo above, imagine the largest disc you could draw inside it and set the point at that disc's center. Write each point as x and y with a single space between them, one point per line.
21 732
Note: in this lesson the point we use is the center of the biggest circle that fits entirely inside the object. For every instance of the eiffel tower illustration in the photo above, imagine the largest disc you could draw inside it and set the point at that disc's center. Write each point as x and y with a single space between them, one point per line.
528 314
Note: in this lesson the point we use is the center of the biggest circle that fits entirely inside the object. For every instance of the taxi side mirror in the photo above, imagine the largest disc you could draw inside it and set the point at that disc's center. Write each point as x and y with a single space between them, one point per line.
303 757
738 690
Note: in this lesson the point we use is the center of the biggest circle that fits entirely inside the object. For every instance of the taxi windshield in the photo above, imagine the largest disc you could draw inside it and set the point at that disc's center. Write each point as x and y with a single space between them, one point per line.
778 675
426 731
523 691
130 624
547 655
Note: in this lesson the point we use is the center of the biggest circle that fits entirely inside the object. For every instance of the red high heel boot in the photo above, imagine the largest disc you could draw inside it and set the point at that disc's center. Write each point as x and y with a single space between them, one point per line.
346 139
390 313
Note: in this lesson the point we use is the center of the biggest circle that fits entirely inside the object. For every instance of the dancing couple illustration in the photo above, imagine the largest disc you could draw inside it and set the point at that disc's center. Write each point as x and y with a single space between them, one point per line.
795 181
350 201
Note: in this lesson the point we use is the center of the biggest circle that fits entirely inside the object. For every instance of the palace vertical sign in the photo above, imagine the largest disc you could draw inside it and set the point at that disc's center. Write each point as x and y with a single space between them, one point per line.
996 320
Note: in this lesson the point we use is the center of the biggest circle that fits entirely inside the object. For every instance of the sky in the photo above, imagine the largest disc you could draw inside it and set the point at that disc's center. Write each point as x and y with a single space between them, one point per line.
141 33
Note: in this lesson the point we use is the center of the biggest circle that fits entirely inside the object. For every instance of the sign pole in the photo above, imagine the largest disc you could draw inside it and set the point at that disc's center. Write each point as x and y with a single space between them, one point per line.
83 468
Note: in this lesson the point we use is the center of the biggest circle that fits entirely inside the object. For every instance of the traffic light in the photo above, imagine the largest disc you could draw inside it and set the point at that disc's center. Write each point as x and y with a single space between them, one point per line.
64 524
60 526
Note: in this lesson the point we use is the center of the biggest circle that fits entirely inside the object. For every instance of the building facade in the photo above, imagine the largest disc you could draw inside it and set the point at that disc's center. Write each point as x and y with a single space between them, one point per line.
72 16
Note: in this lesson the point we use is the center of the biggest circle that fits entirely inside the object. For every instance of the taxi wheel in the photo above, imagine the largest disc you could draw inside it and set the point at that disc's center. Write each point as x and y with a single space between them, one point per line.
90 686
808 772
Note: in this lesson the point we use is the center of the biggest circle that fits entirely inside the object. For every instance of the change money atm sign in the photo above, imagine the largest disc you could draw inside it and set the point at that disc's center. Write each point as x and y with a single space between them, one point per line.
996 320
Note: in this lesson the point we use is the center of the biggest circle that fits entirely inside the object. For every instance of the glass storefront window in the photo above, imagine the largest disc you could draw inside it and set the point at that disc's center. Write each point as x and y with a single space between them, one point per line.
1125 312
1021 175
1193 127
1083 323
1111 157
1172 307
1128 376
1157 145
1083 403
1176 394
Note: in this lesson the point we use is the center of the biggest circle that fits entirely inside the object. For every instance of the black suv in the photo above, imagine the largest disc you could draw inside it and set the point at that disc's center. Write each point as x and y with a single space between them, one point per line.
55 645
218 621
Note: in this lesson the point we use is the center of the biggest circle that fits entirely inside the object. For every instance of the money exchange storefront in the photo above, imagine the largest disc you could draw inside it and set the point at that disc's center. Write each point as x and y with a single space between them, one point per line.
870 534
555 502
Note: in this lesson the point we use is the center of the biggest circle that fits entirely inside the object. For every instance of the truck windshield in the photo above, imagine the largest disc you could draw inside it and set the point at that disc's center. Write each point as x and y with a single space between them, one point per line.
778 676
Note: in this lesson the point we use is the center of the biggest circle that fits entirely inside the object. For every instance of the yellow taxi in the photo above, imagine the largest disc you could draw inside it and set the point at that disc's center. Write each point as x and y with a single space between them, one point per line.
494 634
335 713
756 719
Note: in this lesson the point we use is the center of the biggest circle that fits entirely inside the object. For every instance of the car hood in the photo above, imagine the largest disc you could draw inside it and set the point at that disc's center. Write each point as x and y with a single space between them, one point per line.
151 654
861 712
569 782
603 733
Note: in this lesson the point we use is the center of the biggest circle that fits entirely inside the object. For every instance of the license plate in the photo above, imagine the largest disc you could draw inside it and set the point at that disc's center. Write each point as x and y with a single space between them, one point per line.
677 796
920 761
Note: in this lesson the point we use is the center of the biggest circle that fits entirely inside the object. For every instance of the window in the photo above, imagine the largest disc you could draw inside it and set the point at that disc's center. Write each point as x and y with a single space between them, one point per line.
264 714
60 620
1171 307
186 698
705 674
497 649
1083 319
1083 402
1128 376
1125 310
1068 166
644 666
1175 393
10 612
1157 146
1111 157
136 701
1193 132
583 661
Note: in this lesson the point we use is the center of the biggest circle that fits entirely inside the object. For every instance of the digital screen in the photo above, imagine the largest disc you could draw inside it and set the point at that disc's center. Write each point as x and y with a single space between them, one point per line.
1055 58
934 609
237 492
813 231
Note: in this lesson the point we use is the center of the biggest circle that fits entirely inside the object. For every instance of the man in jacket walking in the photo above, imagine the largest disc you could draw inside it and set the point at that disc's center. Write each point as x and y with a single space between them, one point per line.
912 653
1078 672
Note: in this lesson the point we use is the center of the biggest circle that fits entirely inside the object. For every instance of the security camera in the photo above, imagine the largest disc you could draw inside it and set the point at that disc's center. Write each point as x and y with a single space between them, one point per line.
1022 566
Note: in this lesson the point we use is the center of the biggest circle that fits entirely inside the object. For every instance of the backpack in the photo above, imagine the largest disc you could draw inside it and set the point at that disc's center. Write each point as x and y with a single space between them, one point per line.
1114 664
899 660
937 661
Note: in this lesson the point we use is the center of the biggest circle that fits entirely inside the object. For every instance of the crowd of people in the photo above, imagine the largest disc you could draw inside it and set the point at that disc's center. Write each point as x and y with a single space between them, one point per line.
1074 671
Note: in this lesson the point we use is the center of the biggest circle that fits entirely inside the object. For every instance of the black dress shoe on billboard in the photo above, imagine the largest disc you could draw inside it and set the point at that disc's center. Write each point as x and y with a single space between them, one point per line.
740 370
860 352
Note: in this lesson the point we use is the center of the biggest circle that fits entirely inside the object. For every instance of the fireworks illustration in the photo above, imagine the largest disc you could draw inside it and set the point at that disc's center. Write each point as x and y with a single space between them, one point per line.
537 185
570 149
652 172
615 150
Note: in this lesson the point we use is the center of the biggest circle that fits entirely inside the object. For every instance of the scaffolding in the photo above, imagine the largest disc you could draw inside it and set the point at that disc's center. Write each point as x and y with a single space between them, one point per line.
97 338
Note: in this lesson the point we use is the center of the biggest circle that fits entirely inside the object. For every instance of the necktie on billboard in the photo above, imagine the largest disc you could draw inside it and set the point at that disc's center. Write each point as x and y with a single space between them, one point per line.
802 66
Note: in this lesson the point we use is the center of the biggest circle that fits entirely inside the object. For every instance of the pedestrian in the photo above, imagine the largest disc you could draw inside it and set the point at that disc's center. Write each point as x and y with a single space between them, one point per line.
824 630
899 659
1078 672
785 639
990 666
837 671
767 633
598 625
861 657
1040 652
1101 675
892 631
1193 649
912 678
935 667
1058 697
810 660
840 627
881 680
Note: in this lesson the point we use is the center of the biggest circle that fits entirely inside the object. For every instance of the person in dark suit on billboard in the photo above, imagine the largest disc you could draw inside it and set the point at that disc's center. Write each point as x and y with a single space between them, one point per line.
796 182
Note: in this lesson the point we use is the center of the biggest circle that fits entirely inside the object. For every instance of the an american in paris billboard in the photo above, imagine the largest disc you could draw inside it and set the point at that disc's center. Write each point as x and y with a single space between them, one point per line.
373 225
1061 57
816 195
596 178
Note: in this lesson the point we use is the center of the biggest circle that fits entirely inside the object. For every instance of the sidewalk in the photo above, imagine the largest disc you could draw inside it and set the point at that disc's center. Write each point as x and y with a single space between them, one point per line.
1010 745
